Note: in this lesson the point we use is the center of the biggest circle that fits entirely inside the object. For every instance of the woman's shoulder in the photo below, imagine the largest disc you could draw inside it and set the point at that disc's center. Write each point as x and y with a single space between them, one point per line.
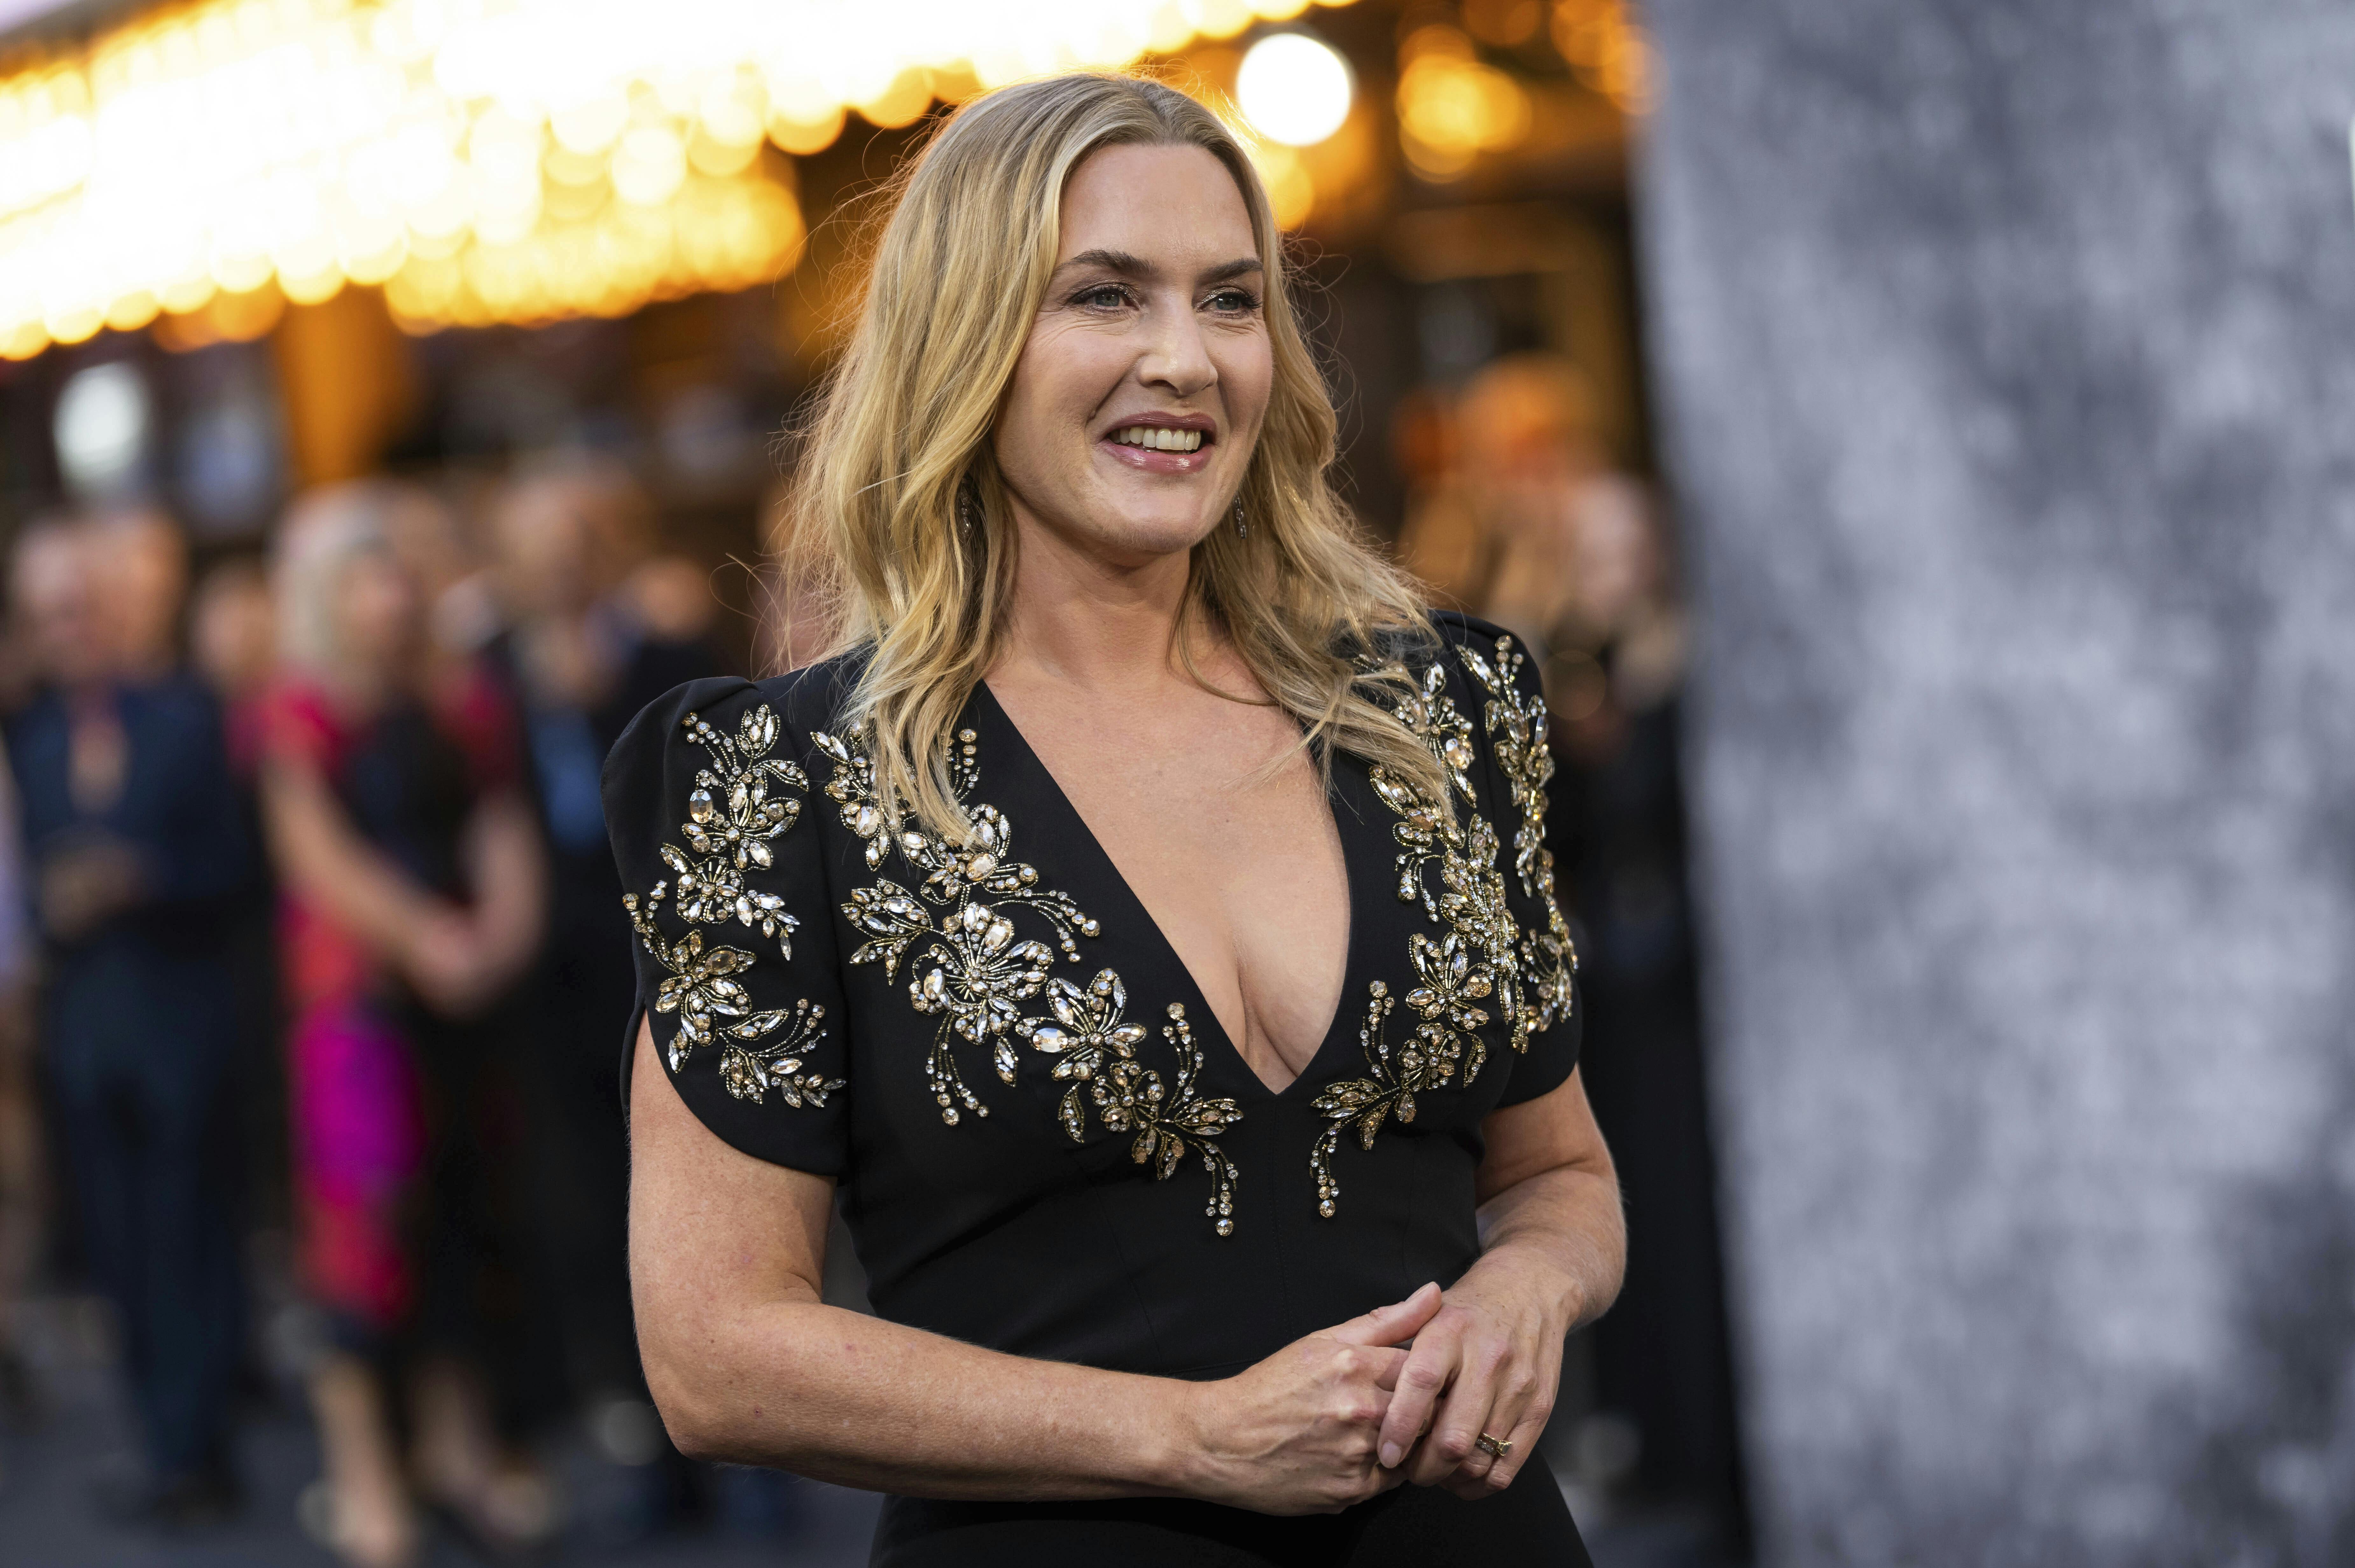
1461 629
1476 656
297 718
776 715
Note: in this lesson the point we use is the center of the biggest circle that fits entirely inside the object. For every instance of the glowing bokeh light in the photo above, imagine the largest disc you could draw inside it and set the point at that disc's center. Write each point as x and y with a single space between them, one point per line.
1293 89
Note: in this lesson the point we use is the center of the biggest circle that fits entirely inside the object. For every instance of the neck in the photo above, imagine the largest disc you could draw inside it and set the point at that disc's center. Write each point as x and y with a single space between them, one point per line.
1086 621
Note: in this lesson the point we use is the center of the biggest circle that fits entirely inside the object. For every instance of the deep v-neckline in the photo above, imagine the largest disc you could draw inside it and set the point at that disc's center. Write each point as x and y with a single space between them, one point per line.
1078 832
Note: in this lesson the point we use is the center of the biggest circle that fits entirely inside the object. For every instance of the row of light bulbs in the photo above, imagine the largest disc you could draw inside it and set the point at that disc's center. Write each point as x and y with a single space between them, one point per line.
485 160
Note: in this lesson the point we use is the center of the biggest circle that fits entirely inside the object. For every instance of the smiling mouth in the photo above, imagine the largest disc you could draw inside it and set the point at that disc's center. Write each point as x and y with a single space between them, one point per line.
1156 438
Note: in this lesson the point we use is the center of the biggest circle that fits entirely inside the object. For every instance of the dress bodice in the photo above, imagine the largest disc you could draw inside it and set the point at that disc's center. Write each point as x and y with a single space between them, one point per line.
1044 1142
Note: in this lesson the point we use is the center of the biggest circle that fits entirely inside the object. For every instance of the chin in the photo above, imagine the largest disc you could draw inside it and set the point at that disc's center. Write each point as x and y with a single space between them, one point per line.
1149 536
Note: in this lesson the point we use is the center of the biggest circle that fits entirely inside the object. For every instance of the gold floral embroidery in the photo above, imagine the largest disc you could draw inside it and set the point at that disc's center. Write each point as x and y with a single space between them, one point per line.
1086 1037
1518 727
1469 900
981 967
730 834
1096 1052
1427 1059
1482 955
979 971
1164 1126
701 985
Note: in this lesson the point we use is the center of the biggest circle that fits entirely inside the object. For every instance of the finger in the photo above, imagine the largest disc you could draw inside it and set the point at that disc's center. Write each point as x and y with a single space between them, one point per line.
1511 1393
1467 1410
1522 1441
1430 1367
1392 1325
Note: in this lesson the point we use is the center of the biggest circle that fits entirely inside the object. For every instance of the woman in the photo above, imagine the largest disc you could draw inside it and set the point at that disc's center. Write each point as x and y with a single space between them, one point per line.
412 879
584 656
1144 923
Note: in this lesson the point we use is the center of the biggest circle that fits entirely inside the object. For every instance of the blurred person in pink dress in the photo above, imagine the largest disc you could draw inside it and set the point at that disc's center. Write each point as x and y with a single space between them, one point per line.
413 890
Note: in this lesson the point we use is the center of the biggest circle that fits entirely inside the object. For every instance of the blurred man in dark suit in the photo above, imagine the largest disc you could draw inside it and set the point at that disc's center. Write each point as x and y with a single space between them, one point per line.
132 845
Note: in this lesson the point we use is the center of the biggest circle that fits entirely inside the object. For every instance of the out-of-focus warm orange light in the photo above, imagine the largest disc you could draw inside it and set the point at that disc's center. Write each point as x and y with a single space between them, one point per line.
901 103
481 160
1604 48
1452 107
1291 188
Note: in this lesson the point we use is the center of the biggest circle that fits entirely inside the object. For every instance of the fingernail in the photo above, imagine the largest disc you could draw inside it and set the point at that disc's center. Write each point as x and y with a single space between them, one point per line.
1390 1456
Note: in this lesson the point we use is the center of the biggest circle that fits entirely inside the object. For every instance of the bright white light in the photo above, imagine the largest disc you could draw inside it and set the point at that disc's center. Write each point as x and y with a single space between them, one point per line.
102 429
1294 89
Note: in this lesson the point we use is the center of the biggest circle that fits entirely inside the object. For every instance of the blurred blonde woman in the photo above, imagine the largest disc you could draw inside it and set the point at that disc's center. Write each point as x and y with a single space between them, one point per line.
1141 924
411 884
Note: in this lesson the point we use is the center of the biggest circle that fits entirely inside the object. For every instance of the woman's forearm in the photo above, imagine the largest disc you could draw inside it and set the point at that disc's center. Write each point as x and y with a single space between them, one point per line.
507 874
863 1402
329 864
1567 1223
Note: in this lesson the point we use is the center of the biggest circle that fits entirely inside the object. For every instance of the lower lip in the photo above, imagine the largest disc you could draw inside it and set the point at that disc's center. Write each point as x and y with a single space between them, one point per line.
1152 460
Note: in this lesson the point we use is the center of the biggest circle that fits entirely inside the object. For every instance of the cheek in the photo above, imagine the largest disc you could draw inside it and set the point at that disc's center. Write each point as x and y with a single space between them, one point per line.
1062 379
1248 371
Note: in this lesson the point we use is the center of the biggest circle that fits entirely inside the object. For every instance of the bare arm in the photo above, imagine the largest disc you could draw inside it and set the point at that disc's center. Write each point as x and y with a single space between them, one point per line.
457 958
1550 1194
747 1365
332 867
1553 1247
469 962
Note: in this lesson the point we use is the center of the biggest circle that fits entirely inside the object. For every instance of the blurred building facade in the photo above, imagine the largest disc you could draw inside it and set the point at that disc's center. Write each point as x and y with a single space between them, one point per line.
2002 348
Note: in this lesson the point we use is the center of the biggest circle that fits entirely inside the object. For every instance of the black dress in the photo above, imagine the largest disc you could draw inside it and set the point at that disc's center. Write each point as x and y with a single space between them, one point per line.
1046 1145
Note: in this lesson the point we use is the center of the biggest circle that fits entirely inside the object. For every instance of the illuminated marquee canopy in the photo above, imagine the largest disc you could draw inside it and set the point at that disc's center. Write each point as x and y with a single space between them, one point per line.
484 160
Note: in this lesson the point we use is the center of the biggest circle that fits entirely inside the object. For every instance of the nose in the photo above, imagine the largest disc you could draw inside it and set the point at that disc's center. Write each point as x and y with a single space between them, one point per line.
1175 356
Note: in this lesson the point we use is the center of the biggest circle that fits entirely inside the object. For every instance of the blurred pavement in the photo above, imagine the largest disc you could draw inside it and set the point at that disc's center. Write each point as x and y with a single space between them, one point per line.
48 1472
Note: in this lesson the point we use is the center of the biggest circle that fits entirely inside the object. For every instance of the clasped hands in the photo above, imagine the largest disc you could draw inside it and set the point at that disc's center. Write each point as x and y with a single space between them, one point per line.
1398 1395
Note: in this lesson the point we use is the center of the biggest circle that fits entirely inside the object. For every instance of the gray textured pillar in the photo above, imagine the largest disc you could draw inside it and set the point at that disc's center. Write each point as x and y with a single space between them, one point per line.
2008 357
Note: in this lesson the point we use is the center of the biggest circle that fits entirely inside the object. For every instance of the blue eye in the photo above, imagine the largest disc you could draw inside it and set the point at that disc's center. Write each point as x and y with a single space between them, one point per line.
1234 302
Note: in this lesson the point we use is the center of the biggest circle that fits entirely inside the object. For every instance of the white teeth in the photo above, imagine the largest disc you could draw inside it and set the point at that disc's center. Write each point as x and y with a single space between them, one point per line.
1158 439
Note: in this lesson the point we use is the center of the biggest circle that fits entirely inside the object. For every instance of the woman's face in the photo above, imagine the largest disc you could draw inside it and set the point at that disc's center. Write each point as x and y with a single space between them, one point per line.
1138 399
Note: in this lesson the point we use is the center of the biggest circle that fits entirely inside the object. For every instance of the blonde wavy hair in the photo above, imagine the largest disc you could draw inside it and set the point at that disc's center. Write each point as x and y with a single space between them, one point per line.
968 237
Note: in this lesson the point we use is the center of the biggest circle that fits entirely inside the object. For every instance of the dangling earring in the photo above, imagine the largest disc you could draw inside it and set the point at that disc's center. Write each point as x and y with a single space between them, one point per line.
1242 527
968 504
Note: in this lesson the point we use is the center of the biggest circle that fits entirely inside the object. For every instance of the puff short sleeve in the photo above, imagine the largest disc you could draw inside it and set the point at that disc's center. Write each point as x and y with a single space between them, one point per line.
1512 720
707 802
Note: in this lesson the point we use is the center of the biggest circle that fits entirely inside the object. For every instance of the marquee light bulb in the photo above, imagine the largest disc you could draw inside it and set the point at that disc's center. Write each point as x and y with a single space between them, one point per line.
508 159
1293 89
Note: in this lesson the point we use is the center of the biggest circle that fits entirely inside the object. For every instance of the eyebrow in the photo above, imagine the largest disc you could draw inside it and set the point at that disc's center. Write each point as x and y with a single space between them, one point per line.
1130 266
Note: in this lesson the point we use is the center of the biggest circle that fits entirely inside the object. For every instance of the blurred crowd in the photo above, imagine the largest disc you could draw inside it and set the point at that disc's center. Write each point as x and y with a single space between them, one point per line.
308 927
1520 512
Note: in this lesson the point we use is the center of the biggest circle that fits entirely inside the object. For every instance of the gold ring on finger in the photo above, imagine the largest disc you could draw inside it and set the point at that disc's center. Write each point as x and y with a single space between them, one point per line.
1495 1447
